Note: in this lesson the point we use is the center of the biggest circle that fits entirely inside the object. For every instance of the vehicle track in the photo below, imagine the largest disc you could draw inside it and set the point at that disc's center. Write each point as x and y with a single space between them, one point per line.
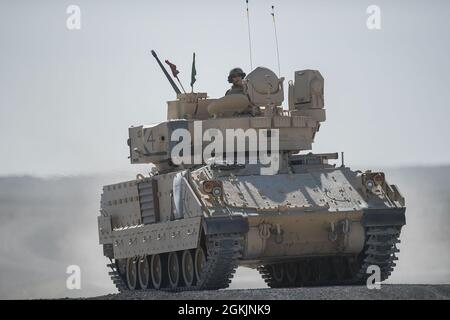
223 252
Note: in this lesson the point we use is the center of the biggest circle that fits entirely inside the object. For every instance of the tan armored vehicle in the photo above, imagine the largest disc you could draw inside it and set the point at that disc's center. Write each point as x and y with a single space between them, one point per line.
299 219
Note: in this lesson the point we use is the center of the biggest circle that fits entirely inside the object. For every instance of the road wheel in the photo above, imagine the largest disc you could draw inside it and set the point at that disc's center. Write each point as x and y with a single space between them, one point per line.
291 273
173 269
132 276
278 273
144 273
187 267
200 263
157 271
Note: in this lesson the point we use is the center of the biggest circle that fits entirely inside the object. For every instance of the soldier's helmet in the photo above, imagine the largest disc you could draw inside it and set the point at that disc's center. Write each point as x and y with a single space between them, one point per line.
234 72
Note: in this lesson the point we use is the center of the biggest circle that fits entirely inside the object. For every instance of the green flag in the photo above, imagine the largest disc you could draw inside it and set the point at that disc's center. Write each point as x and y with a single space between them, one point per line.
193 73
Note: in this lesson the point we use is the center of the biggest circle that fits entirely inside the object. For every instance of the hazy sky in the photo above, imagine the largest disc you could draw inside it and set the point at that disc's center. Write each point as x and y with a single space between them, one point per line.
68 97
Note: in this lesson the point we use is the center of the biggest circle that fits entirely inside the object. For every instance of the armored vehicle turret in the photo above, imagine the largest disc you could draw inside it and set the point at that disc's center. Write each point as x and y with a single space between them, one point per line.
233 184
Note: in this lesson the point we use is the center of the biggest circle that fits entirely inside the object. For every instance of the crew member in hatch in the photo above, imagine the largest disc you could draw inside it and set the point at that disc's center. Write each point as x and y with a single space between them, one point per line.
235 77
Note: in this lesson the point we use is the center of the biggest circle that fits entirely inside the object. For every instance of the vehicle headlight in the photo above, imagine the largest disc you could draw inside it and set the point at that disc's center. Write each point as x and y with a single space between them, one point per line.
217 191
373 179
370 184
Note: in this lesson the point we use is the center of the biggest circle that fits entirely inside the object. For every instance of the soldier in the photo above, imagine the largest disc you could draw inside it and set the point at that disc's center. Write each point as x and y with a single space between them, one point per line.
235 77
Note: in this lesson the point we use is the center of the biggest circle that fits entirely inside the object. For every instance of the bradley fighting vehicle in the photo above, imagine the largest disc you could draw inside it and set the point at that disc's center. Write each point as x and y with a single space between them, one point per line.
188 226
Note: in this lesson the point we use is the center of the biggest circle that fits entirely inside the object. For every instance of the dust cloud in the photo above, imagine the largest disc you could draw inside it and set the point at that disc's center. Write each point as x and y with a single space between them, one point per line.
47 224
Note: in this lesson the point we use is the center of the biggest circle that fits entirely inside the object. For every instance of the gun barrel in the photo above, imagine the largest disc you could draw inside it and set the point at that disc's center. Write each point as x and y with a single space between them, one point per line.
172 83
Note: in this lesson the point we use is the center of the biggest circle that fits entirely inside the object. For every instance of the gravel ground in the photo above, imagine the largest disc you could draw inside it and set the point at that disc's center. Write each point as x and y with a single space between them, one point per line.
387 292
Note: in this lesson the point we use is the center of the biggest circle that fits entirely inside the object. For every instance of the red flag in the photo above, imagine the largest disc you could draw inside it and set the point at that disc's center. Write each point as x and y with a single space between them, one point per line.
173 67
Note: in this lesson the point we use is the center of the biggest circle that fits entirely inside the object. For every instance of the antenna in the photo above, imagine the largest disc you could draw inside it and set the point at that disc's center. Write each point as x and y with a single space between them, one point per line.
249 36
276 40
174 86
